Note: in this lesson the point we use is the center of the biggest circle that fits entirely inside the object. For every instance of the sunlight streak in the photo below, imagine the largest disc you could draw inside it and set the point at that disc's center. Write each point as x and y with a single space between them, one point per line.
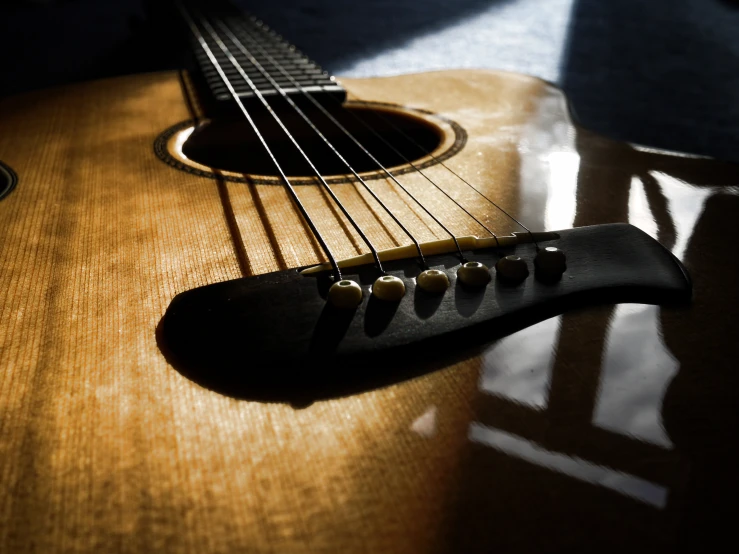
499 37
628 485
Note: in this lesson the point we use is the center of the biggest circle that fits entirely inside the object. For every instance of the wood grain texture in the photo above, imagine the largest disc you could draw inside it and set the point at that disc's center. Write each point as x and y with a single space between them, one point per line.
105 447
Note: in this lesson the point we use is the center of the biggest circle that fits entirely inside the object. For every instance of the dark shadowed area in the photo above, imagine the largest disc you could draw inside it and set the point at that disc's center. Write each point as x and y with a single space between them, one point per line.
663 73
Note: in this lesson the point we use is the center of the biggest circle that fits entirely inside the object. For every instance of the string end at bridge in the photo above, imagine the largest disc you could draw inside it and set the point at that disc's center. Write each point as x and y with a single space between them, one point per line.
442 246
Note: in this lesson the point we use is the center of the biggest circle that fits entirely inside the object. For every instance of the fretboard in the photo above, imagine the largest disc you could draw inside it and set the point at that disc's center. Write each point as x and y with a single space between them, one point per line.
285 64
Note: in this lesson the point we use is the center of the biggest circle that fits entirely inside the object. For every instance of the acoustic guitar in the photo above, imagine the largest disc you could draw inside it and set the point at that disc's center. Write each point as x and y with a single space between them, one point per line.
249 307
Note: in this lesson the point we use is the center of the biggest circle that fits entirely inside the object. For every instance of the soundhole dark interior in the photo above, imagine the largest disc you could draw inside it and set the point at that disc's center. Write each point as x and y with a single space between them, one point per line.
231 143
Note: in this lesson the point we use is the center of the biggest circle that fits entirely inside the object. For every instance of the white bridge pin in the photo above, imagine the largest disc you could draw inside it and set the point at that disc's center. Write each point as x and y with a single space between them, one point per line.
474 274
512 269
389 288
345 294
433 281
550 263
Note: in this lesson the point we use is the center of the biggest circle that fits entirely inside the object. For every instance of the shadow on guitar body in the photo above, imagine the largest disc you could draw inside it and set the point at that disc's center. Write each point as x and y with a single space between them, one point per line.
230 370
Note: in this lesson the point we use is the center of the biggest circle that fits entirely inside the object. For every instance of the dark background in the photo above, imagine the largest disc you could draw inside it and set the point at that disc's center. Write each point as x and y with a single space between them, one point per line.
658 72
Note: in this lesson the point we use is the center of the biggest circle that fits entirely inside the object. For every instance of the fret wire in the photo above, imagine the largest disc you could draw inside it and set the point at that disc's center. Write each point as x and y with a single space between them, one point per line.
293 194
259 95
437 160
362 147
302 114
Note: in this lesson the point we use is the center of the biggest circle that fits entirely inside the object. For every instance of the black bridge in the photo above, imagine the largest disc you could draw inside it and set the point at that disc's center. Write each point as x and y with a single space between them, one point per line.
273 328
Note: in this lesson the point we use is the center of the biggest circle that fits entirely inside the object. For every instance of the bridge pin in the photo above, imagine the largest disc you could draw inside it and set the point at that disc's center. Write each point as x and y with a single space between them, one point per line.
389 288
433 281
512 270
345 294
474 274
550 264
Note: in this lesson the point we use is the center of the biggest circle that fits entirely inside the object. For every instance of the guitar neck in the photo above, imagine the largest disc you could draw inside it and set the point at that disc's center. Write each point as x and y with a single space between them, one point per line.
246 38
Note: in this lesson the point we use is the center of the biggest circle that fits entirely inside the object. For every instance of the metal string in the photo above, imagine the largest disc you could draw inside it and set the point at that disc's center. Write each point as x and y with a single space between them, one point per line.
440 162
199 37
312 125
253 60
361 121
374 160
259 95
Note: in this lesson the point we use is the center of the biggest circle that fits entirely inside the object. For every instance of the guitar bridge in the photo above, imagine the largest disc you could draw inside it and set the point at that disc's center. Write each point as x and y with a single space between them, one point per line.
261 330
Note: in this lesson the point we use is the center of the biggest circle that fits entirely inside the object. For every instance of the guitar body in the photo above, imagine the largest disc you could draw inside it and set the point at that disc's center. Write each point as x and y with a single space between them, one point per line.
607 428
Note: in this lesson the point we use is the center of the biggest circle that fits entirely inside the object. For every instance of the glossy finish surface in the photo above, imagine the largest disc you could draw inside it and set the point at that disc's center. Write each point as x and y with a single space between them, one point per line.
611 428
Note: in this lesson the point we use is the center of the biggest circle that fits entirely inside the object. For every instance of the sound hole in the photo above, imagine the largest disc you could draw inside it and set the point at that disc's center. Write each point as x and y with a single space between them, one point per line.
232 145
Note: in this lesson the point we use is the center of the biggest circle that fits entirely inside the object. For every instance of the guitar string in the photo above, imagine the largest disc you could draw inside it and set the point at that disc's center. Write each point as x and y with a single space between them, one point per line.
240 45
211 31
366 125
438 161
312 125
407 192
238 66
204 45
